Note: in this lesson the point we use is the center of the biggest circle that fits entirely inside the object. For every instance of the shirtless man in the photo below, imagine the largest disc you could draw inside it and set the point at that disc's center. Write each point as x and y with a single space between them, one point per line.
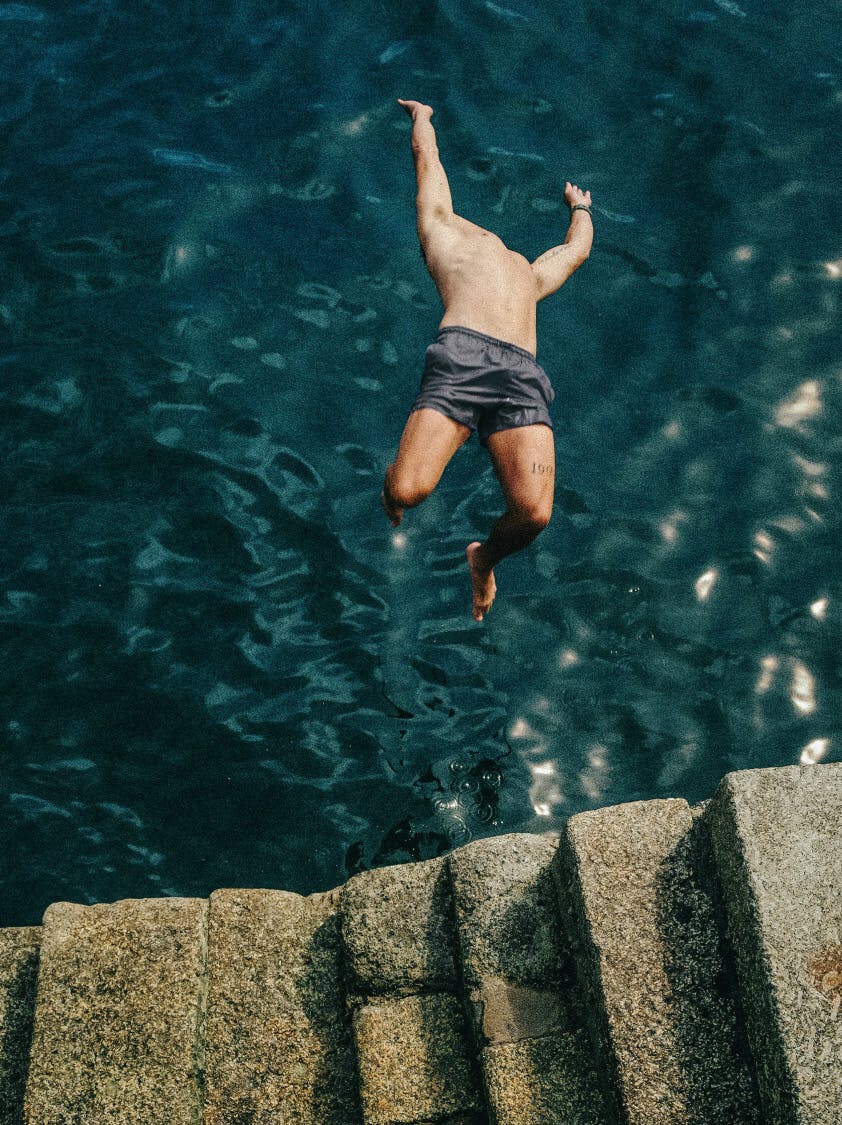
481 372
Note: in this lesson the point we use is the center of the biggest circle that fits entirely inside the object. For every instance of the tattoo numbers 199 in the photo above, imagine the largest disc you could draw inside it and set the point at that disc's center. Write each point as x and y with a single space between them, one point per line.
537 467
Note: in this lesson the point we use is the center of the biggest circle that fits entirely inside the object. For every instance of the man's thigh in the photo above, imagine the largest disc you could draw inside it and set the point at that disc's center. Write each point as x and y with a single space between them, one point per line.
524 461
428 442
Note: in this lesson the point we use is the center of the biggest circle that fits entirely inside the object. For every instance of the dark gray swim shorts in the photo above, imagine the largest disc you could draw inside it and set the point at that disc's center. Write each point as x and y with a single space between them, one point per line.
484 383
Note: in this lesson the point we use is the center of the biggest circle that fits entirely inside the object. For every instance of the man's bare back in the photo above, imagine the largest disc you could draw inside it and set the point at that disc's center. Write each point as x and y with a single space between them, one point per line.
490 290
482 284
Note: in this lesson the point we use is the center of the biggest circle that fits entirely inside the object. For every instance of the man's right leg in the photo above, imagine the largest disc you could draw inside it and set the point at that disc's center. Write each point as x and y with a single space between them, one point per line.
428 442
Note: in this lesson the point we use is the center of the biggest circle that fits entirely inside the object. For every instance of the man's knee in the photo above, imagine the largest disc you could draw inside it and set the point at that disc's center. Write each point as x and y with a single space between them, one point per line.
407 490
535 515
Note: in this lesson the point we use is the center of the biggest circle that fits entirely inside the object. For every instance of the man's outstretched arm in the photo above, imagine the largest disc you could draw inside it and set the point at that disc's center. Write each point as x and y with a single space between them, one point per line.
433 201
554 267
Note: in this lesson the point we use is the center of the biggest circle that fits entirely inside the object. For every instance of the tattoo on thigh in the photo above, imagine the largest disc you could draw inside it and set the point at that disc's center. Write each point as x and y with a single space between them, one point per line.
538 467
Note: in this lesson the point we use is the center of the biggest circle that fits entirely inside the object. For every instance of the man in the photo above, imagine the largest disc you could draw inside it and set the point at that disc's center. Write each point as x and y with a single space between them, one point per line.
481 373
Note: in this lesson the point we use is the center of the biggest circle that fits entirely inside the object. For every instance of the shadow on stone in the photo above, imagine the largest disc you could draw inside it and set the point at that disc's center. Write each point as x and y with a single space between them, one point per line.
19 970
334 1078
712 1050
581 982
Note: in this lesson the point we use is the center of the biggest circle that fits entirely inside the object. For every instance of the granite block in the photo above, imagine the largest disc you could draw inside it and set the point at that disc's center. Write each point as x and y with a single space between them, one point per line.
547 1081
517 972
413 1061
118 1020
279 1045
610 864
506 912
398 931
777 837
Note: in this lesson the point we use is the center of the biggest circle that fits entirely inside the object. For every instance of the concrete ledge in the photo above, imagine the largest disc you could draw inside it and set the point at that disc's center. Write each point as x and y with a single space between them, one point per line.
19 949
119 1012
777 836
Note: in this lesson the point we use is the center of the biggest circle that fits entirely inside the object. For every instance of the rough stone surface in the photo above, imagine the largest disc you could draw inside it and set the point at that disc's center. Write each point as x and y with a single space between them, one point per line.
413 1061
777 837
711 1043
517 970
18 974
505 911
118 1017
398 930
279 1046
531 1082
611 865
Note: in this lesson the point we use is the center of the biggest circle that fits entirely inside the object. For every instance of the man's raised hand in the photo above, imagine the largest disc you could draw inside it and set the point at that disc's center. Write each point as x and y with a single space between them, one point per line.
573 195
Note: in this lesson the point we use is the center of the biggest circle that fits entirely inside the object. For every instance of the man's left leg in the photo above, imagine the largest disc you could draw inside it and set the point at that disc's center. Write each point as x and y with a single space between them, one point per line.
524 461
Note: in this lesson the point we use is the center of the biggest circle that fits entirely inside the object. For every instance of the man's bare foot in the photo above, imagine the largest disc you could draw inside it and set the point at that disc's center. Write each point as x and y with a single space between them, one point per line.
395 514
482 582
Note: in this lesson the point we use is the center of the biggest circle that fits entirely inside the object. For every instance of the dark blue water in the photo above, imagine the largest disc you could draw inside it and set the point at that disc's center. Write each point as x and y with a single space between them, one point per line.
219 665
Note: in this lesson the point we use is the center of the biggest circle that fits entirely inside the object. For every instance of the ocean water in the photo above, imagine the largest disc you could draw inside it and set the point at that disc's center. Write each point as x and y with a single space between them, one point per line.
219 664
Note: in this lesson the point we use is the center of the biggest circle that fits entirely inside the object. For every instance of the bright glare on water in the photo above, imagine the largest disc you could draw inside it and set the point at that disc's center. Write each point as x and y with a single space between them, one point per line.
220 665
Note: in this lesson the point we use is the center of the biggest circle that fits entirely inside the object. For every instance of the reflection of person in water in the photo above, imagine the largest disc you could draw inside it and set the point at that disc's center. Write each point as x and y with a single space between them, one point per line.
481 373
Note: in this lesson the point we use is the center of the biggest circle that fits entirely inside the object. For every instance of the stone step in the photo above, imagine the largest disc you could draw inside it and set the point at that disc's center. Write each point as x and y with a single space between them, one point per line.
517 974
279 1045
118 1018
19 949
413 1049
777 836
637 882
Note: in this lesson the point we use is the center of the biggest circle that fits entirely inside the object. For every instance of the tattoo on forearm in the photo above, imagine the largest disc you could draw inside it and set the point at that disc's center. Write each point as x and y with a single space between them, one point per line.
538 467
